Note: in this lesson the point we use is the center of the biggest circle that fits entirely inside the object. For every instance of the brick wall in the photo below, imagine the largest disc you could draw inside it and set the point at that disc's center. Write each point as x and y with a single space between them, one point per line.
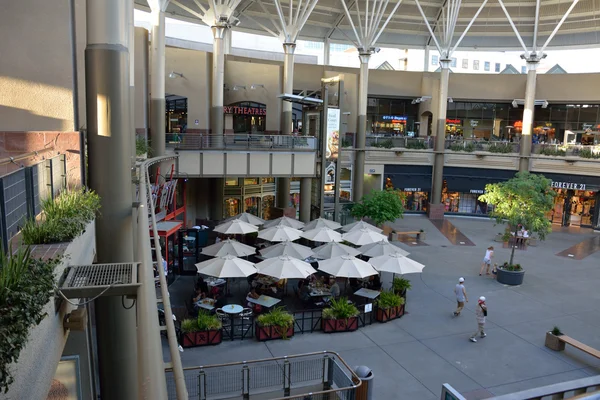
14 144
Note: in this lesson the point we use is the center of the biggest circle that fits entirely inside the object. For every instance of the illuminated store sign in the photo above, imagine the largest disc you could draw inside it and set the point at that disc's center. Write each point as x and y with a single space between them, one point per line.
568 185
454 121
244 110
393 117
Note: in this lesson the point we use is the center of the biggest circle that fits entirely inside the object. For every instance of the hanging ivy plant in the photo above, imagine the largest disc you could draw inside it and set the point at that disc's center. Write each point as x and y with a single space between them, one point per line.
26 286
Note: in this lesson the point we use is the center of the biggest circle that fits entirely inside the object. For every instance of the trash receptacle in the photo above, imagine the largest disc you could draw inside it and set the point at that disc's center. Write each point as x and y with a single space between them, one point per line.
365 390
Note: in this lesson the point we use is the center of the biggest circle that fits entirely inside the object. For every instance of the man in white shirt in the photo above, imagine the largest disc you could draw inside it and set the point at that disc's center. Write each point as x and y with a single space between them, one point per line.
461 296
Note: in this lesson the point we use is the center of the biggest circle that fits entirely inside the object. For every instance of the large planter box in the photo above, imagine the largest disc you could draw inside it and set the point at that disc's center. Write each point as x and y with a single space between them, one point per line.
264 333
201 338
339 325
510 277
36 367
553 342
388 314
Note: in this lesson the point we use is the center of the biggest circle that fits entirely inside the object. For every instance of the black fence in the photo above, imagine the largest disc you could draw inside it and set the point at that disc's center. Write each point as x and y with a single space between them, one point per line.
22 193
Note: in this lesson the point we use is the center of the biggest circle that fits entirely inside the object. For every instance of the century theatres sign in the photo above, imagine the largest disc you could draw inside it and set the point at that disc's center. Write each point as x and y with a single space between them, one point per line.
236 110
568 185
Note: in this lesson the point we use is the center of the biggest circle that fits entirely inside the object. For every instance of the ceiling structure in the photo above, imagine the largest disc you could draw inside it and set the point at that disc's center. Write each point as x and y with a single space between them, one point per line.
406 29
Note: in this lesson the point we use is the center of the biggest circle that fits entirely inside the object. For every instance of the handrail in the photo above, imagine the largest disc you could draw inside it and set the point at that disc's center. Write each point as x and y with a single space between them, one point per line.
237 141
9 160
177 368
580 386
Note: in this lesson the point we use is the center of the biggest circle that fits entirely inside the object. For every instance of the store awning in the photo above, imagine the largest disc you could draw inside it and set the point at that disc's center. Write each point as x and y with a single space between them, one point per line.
304 100
411 183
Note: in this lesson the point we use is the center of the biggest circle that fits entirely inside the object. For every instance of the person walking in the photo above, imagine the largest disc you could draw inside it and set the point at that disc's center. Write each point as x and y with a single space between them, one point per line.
487 261
480 314
461 296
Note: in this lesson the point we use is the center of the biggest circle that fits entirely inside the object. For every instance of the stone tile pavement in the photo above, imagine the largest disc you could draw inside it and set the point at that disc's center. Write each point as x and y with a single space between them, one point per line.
413 356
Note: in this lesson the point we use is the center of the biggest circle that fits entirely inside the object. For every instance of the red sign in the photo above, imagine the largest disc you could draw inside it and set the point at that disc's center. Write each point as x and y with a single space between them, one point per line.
244 110
454 121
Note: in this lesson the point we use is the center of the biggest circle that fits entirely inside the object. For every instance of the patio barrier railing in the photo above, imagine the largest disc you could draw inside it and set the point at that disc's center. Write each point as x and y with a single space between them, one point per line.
314 376
237 141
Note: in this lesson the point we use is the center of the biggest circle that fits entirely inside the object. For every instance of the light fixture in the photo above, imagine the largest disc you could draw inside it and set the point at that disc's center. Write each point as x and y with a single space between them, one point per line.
238 87
174 75
450 100
256 85
517 102
421 99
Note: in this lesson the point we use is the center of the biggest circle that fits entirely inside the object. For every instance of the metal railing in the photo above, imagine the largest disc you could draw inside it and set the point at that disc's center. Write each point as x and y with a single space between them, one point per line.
238 141
319 375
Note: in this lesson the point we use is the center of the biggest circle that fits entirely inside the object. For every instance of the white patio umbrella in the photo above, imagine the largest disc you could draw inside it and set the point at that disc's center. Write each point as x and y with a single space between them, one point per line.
285 267
279 233
396 264
286 221
322 235
249 218
360 225
231 247
226 267
363 236
347 267
334 249
381 248
321 223
291 249
236 227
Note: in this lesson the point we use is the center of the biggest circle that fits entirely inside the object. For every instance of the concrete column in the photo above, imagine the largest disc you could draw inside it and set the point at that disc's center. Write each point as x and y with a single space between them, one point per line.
426 59
227 41
157 83
327 52
131 47
110 161
305 199
438 164
528 111
358 170
283 184
218 79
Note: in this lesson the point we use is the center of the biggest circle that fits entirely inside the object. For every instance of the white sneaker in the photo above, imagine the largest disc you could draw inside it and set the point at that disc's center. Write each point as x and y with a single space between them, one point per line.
484 335
473 340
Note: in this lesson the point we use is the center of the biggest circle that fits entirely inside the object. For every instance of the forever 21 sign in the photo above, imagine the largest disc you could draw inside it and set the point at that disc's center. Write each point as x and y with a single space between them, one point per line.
568 185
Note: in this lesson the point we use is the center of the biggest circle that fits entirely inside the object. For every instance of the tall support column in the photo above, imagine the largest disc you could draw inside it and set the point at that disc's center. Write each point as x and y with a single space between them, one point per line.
287 126
305 199
327 52
440 139
110 155
218 79
131 47
157 83
528 111
358 170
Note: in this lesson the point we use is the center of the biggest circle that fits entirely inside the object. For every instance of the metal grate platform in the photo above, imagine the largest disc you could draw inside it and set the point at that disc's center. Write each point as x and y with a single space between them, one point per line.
86 281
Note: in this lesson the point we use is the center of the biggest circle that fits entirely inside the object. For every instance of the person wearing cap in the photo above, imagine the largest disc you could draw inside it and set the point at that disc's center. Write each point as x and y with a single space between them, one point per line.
480 314
461 296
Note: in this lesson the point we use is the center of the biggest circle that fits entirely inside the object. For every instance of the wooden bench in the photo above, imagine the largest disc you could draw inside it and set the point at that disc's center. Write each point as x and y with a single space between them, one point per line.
416 233
577 344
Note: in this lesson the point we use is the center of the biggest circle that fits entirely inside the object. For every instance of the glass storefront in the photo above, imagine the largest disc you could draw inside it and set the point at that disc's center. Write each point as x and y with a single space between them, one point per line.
246 117
392 117
574 208
415 201
252 195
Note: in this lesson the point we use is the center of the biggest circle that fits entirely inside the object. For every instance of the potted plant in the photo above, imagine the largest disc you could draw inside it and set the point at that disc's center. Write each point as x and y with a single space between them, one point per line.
506 238
206 330
524 200
400 286
389 306
276 324
552 340
340 316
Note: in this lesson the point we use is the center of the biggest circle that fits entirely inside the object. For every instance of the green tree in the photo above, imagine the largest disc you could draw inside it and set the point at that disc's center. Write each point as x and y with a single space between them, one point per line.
523 200
380 205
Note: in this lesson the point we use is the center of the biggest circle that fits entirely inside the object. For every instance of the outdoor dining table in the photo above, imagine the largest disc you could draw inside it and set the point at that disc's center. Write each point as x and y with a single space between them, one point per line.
207 304
215 282
368 293
320 293
264 301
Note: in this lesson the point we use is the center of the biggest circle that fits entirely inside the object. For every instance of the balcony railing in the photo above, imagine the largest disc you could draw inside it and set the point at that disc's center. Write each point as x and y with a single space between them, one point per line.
320 375
237 141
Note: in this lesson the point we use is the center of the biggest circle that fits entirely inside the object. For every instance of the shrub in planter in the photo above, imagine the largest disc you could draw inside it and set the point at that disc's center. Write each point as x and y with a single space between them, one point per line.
400 286
63 218
389 306
552 340
340 316
510 274
26 286
206 330
276 324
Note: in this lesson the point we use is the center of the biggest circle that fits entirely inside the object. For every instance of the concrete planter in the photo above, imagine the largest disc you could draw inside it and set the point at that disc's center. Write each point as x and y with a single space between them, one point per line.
37 362
553 342
510 277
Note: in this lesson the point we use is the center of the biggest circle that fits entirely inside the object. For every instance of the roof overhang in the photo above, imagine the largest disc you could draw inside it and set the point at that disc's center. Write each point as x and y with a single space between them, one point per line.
305 101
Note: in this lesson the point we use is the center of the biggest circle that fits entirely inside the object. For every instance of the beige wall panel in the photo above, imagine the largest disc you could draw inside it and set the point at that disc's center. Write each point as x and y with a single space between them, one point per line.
237 164
282 164
213 164
304 164
238 73
483 160
189 162
568 87
486 86
193 85
374 169
260 163
565 165
308 77
395 83
417 157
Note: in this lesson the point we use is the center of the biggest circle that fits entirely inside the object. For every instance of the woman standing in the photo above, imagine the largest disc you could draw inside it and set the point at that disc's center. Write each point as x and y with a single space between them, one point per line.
487 261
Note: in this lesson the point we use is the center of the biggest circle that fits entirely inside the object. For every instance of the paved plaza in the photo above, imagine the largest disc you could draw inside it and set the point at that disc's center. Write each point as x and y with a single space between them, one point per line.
413 356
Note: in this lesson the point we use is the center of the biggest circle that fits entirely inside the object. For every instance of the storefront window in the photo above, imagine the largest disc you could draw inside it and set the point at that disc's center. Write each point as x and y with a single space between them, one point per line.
231 182
252 205
392 117
268 180
573 208
248 117
267 203
231 207
416 201
176 114
250 181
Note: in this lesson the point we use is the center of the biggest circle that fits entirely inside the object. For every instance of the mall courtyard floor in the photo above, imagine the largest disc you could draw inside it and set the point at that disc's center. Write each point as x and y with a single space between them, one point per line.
413 356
